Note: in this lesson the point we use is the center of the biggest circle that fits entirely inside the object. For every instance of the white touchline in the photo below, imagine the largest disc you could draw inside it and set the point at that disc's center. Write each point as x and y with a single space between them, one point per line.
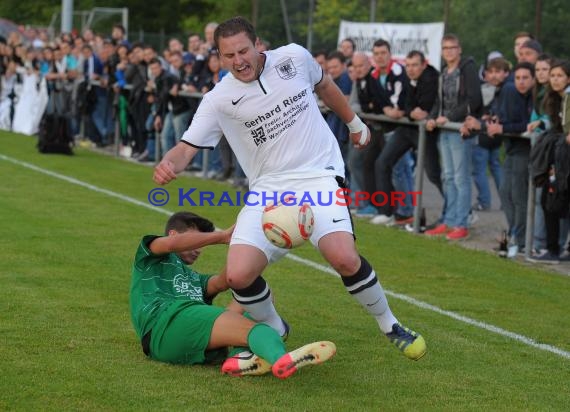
326 269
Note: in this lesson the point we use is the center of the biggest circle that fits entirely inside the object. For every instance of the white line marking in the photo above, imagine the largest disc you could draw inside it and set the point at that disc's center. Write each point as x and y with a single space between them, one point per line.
326 269
86 185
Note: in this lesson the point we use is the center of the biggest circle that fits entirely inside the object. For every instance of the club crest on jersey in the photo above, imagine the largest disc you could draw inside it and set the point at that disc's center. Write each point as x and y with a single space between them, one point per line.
286 69
182 285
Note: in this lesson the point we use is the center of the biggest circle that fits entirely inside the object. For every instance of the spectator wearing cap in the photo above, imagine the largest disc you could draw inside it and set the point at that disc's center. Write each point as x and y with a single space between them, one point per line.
482 69
487 150
529 52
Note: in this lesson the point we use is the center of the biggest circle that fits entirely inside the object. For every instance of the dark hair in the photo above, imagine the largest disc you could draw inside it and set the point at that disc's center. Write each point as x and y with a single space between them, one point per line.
451 37
539 90
183 221
320 52
120 27
525 65
348 39
382 43
155 60
545 57
553 100
415 53
499 63
233 26
335 54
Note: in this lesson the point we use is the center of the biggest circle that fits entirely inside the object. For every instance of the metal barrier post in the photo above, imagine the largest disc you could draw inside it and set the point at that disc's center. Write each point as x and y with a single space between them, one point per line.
205 159
117 135
419 181
530 206
157 154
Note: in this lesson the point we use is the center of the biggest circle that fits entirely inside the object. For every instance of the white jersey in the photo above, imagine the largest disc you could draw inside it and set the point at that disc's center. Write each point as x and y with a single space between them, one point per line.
273 124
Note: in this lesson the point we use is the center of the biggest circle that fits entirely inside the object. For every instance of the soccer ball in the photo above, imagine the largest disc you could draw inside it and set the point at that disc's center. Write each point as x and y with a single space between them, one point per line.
287 226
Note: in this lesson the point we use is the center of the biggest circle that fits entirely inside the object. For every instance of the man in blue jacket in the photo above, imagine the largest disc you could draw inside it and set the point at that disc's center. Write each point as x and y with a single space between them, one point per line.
514 107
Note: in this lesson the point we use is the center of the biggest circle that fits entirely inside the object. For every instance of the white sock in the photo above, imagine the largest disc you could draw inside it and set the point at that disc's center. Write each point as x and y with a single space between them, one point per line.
261 309
366 289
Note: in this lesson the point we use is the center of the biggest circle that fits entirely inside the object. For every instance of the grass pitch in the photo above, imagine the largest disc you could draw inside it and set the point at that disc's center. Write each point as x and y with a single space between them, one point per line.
67 343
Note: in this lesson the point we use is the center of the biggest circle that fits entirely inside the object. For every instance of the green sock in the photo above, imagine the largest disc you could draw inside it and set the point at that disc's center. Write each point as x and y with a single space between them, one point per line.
266 343
234 350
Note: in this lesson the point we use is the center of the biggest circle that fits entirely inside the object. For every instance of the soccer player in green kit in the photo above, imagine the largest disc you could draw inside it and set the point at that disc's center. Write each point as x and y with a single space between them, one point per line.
172 313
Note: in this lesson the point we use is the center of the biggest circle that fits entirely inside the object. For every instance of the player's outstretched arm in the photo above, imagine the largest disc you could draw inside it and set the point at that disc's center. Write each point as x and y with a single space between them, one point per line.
189 240
333 98
173 162
217 284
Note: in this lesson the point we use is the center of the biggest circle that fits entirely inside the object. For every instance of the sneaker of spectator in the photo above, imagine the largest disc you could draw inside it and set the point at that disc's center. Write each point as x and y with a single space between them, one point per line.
458 233
440 230
383 220
548 258
126 151
513 249
564 256
403 220
472 218
480 208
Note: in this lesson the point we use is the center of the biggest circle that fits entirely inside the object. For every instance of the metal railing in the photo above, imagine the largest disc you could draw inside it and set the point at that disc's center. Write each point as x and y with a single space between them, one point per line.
419 170
418 184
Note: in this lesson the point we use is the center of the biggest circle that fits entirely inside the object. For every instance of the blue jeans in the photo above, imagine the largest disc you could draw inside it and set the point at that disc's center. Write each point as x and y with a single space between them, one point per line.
173 128
102 118
456 156
481 158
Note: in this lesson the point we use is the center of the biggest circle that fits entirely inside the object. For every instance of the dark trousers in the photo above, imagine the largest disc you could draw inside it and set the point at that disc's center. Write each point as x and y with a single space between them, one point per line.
514 193
369 155
405 138
552 220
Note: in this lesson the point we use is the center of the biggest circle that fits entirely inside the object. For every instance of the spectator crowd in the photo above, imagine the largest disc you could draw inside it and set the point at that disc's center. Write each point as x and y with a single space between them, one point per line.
478 118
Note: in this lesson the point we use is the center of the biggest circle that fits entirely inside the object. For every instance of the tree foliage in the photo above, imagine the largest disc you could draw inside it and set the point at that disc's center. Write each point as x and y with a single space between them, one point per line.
481 25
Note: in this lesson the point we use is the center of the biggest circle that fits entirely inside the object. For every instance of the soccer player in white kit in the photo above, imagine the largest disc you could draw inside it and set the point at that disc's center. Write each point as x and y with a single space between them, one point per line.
266 110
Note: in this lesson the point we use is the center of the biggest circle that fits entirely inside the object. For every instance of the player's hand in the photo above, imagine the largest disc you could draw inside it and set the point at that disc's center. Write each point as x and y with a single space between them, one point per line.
164 172
472 123
532 125
356 138
227 234
441 120
494 129
418 114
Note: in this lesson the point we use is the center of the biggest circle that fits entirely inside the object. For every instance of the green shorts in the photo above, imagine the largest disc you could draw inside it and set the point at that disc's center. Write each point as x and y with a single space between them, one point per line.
182 333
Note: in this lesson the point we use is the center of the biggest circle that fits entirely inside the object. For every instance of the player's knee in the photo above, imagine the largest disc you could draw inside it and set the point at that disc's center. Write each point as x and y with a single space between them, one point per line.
237 280
346 263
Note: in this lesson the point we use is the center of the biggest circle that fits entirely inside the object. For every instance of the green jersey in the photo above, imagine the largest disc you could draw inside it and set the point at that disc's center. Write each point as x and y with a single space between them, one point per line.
162 284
